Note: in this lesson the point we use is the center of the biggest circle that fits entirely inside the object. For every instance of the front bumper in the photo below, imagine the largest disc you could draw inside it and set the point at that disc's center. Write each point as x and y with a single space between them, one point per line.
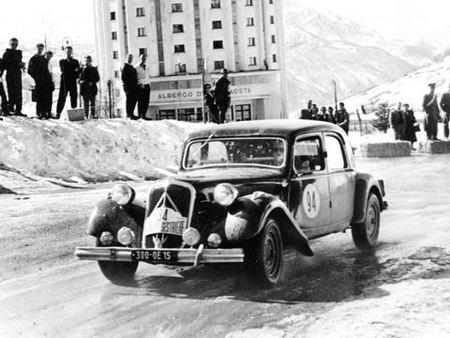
184 256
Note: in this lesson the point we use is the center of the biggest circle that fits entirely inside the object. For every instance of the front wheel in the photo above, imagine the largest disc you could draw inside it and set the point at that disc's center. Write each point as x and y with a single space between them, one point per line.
365 234
118 272
264 254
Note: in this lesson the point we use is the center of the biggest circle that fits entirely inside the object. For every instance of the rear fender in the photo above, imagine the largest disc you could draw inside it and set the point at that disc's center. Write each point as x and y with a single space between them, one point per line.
365 185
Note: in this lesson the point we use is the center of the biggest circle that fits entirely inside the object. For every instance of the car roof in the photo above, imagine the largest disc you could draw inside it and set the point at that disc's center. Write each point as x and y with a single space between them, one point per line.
283 128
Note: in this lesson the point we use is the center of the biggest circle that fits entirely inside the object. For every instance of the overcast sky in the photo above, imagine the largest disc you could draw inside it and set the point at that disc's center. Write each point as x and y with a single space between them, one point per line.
30 19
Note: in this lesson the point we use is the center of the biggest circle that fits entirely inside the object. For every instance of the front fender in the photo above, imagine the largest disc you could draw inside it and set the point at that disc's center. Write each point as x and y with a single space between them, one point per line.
247 218
366 184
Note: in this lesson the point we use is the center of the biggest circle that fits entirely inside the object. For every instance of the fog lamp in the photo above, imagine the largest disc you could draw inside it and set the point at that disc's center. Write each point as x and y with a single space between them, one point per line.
106 238
125 236
214 240
225 194
191 236
122 194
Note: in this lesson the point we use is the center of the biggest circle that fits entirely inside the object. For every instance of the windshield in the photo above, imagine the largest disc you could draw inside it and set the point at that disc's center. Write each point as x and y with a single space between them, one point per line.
258 151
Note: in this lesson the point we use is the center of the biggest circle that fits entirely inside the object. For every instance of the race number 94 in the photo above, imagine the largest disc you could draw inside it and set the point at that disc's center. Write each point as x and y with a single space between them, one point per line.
311 201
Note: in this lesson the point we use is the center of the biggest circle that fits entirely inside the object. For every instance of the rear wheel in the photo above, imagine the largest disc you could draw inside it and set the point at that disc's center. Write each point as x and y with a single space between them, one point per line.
117 272
365 234
264 254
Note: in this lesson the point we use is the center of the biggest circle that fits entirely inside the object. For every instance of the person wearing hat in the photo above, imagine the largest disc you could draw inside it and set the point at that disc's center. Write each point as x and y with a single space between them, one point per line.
322 114
223 95
431 108
445 106
38 70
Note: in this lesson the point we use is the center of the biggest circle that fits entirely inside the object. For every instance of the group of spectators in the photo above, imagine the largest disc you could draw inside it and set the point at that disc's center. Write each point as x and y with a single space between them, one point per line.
404 124
432 113
339 116
39 68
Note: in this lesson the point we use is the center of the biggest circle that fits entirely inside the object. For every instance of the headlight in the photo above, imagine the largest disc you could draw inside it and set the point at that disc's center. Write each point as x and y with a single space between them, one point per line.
122 194
125 236
214 240
225 194
106 238
191 236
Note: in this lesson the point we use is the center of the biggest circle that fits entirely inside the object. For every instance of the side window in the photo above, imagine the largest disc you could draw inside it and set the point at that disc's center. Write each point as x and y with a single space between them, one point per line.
308 155
335 153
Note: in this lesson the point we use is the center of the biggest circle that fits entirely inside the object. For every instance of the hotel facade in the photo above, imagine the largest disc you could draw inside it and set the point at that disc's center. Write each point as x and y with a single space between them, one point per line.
188 44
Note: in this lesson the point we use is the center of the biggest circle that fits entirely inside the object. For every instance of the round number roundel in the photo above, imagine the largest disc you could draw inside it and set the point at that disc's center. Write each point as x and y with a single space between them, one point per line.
311 201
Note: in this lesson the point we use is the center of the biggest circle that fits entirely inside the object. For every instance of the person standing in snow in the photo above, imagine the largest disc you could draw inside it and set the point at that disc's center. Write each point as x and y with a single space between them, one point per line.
143 88
13 65
431 108
48 98
342 117
88 86
129 80
4 104
70 72
38 70
397 121
445 106
409 132
223 95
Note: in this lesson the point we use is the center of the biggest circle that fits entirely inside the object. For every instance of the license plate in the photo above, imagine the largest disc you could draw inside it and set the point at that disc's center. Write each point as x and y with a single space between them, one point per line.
154 256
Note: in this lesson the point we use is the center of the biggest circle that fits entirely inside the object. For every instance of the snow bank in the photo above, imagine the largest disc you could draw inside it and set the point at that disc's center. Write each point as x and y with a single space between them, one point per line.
94 150
434 147
385 149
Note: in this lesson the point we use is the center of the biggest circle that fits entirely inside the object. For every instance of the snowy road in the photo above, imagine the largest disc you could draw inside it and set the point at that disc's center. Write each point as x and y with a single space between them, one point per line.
401 291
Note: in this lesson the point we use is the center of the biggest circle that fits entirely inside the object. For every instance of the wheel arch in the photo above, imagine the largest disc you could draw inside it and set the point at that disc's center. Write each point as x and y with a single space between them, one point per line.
365 185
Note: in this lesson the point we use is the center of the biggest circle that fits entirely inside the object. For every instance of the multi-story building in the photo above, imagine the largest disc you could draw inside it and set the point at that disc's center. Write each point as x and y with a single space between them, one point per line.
189 43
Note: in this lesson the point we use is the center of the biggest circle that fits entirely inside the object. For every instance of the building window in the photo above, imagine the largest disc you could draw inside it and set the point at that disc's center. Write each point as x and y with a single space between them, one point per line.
115 55
187 114
215 3
113 16
166 114
250 21
114 35
140 11
177 28
251 42
142 51
177 8
273 39
248 2
141 31
179 49
217 24
243 112
272 19
274 57
116 74
219 65
252 61
217 44
180 68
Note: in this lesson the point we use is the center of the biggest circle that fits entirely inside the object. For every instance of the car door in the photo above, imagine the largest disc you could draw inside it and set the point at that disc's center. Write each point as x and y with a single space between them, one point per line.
341 179
309 188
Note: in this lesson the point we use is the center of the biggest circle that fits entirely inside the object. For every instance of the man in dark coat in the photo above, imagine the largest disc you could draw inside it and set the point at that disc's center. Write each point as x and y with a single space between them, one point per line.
409 133
88 86
4 104
38 70
342 117
398 122
129 80
70 72
431 108
445 105
331 114
210 104
13 65
223 95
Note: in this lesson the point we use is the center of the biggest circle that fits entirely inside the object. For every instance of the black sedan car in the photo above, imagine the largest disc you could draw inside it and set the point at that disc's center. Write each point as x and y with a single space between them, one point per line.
244 192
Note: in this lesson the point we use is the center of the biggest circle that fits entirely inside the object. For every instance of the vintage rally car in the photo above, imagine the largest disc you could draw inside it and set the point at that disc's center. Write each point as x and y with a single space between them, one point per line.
244 191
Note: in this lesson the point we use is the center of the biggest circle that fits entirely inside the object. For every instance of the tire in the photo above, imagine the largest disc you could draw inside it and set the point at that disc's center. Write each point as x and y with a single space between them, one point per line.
264 254
365 234
118 272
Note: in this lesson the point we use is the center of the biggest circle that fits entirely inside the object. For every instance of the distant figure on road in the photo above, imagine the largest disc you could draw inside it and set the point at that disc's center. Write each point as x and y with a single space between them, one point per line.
4 104
143 90
13 65
88 86
210 104
70 72
397 122
431 108
129 80
342 118
223 95
38 70
409 132
445 105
